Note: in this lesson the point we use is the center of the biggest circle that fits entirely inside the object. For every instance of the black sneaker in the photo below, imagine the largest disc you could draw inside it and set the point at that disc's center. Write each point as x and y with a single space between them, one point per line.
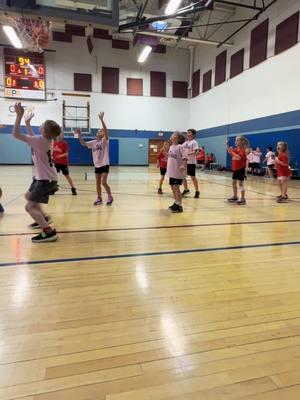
1 209
177 209
45 237
35 225
73 190
197 195
172 206
54 190
160 191
186 191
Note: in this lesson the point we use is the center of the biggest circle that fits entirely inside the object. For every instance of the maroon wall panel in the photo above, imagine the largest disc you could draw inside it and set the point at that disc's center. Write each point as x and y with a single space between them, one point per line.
110 80
134 87
75 30
157 84
196 83
259 43
120 44
207 81
220 70
287 33
61 36
180 89
102 34
83 82
237 63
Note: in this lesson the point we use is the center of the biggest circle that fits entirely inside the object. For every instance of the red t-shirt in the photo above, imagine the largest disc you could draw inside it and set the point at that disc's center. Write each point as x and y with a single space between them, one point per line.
201 155
239 164
162 159
282 170
60 148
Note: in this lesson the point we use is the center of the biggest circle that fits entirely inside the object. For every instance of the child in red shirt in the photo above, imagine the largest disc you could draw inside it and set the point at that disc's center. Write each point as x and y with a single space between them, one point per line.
283 171
162 160
60 152
239 161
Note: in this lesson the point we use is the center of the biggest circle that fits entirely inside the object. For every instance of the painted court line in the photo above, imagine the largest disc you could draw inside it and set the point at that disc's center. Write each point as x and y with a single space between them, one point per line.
148 254
160 227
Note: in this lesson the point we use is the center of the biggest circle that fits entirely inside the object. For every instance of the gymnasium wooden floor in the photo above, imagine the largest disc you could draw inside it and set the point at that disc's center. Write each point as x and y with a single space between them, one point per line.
135 303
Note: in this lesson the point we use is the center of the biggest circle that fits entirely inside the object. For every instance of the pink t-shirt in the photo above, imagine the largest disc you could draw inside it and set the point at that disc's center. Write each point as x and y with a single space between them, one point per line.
100 152
43 166
191 146
176 157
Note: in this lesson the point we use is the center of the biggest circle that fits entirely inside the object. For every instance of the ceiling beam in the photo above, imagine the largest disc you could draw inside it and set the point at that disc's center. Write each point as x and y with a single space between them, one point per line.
185 39
235 4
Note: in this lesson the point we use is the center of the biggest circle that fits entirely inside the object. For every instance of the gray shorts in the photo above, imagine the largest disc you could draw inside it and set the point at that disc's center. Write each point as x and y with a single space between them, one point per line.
41 190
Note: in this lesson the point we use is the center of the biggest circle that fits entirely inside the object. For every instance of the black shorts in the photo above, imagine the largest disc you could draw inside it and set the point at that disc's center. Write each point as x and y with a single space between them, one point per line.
250 165
255 165
201 162
271 166
175 181
239 175
63 168
163 171
40 191
102 170
191 169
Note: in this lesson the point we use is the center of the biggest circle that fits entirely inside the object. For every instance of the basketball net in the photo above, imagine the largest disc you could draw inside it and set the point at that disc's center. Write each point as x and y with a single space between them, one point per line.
33 33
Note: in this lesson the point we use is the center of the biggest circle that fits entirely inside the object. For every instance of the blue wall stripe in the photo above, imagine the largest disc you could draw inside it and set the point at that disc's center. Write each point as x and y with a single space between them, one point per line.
148 254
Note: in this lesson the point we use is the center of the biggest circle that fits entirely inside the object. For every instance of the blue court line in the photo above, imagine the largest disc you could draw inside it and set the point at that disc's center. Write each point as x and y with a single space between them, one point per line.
142 228
148 254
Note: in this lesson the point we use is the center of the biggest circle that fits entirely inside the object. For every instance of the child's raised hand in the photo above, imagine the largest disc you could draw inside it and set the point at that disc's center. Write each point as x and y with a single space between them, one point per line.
28 117
101 115
19 110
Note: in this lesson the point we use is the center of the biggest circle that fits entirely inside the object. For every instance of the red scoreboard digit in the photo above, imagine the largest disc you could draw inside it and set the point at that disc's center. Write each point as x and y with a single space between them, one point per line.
24 75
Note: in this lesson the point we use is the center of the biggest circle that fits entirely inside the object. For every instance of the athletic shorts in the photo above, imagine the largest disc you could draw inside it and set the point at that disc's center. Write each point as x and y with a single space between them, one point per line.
201 162
63 168
255 165
239 175
175 181
163 171
191 169
102 170
40 191
271 166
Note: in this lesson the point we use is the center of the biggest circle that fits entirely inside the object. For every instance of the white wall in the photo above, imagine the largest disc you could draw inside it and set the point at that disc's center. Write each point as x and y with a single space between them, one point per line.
122 111
270 88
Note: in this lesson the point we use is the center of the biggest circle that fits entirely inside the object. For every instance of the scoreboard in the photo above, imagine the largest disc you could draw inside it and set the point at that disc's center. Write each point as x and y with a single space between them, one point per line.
24 75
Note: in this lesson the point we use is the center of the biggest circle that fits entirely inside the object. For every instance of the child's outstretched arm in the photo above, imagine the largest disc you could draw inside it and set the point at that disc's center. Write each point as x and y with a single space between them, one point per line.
101 117
19 110
28 118
81 140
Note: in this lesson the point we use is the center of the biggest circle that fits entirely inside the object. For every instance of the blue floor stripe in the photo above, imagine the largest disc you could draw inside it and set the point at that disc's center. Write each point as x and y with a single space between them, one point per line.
142 228
148 254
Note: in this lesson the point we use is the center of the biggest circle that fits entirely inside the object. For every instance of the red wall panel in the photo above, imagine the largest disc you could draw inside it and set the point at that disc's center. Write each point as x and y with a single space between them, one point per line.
180 89
259 43
157 83
134 87
207 81
237 63
287 33
110 80
196 83
220 70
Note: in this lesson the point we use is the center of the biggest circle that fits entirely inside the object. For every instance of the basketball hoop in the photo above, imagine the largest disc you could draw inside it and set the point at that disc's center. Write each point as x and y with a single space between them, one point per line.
34 33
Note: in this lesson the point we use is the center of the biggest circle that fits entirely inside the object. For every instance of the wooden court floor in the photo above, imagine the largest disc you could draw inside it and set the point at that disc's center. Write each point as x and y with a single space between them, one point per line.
135 303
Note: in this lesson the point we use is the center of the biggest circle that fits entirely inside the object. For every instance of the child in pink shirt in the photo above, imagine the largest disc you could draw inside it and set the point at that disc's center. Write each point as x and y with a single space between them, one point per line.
100 151
176 169
45 177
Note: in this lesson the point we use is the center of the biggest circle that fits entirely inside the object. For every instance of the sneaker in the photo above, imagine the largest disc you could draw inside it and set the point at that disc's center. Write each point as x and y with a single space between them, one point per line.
186 191
35 225
109 201
282 199
1 209
55 190
172 206
98 202
45 237
197 195
73 190
232 199
241 202
177 209
160 191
